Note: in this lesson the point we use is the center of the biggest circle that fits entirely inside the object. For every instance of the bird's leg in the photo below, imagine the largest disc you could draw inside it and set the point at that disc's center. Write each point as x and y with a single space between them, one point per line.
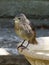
23 47
28 44
21 44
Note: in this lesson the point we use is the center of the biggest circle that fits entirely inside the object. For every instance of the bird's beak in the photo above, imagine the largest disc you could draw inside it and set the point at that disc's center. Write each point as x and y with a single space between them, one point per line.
14 19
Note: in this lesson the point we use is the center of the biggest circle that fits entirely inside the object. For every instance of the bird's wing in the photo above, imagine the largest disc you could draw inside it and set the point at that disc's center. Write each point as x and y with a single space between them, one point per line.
26 28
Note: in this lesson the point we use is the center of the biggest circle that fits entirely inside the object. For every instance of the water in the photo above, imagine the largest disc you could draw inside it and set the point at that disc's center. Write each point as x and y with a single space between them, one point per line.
9 39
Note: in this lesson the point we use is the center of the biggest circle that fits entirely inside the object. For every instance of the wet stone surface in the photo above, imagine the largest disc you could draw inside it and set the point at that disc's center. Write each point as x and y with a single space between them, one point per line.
9 39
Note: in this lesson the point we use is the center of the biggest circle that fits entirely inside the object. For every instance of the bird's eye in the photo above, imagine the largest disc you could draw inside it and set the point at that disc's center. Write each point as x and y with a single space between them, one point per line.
19 18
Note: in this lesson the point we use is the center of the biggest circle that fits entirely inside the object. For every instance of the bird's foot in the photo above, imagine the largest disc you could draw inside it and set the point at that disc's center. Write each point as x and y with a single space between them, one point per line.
22 47
21 44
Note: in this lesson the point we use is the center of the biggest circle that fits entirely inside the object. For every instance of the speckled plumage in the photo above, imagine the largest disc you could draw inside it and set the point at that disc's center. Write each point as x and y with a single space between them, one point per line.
24 29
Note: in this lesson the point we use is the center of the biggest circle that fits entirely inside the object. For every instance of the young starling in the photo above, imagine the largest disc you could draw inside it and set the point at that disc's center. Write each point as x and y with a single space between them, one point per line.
25 29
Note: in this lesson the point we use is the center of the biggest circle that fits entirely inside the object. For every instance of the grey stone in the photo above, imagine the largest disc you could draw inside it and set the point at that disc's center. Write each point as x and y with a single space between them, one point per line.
11 8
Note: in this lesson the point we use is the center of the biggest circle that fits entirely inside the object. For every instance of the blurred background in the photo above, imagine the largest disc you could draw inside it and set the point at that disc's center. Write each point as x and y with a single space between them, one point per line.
36 11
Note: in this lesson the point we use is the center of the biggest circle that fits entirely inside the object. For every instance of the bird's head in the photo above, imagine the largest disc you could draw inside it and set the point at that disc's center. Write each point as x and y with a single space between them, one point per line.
21 18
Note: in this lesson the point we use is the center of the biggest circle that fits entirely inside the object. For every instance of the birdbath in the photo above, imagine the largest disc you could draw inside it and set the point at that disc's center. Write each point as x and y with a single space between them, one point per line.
37 54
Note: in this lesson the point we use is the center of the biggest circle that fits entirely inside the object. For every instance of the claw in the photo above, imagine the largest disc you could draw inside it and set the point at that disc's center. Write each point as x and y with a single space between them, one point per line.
22 47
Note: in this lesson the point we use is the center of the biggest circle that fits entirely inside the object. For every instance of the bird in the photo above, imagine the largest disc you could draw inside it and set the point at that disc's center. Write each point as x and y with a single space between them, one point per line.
25 30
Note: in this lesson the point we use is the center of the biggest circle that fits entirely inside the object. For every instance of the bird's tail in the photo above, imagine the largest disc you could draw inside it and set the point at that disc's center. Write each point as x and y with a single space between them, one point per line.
34 41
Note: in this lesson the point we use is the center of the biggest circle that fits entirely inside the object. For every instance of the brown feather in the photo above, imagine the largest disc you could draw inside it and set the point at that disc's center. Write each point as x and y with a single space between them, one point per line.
24 30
